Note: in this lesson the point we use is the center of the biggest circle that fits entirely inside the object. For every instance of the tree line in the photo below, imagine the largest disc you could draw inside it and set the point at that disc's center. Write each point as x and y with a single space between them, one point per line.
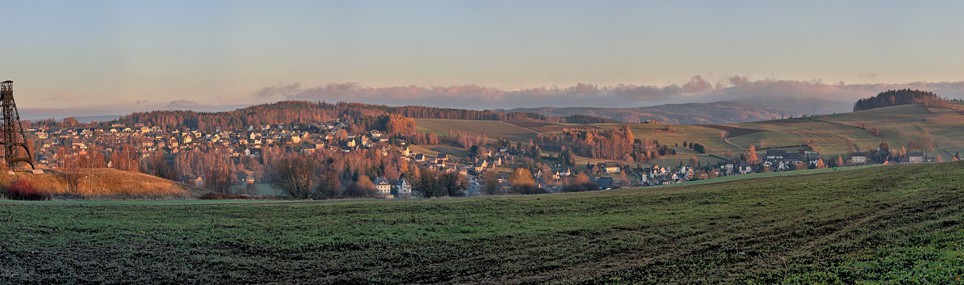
900 97
615 144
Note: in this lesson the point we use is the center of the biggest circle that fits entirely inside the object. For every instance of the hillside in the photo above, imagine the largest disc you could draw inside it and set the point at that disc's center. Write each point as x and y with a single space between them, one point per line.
725 112
937 131
105 183
891 224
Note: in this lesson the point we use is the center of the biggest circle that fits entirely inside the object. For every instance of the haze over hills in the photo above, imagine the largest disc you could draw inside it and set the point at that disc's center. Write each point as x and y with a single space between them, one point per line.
787 97
723 112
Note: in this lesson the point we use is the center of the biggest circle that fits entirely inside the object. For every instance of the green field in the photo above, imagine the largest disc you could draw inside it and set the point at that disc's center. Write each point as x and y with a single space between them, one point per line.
901 124
888 224
828 138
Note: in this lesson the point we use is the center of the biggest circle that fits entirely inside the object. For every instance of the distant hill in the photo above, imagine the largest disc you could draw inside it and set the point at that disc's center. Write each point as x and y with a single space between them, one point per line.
725 112
899 97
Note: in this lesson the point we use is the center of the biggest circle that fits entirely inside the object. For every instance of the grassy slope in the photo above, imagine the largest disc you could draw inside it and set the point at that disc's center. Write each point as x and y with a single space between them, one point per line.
900 124
895 223
830 135
106 183
492 129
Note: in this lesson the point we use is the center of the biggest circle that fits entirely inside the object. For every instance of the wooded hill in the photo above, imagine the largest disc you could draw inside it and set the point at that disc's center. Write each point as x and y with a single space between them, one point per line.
899 97
304 112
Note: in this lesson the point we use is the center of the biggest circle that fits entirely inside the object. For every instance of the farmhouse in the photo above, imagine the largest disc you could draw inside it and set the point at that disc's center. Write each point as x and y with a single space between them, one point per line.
915 157
858 158
403 189
775 154
383 188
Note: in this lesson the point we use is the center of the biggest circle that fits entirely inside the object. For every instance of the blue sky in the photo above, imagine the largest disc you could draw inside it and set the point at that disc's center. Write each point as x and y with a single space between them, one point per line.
135 55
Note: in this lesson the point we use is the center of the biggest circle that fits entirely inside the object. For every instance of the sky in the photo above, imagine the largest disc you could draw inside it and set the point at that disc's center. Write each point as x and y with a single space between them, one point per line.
114 57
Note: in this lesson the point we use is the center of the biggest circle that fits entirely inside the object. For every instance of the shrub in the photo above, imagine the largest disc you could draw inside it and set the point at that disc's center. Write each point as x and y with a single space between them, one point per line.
529 189
223 196
581 187
24 190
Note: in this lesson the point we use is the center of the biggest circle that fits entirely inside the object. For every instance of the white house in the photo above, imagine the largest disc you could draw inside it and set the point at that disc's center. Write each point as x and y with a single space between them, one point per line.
383 188
403 189
858 158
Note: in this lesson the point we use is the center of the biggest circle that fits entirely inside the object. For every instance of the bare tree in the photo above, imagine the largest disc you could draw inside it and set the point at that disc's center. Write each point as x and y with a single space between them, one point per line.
218 178
296 176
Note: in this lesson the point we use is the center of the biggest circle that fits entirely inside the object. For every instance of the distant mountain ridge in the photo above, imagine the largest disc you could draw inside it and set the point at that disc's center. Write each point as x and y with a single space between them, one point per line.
724 112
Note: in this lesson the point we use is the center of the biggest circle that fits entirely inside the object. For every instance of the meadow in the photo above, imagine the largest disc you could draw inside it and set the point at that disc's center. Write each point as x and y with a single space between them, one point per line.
492 129
887 224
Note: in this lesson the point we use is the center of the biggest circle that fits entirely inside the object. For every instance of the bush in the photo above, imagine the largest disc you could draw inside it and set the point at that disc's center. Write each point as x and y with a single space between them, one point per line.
223 196
581 187
24 190
529 189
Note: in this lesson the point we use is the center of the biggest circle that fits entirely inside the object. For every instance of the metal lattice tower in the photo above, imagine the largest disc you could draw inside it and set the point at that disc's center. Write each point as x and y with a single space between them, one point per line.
13 140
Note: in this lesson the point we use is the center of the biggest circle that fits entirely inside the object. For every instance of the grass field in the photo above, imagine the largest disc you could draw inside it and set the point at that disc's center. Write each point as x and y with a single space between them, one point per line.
889 224
825 137
492 129
901 124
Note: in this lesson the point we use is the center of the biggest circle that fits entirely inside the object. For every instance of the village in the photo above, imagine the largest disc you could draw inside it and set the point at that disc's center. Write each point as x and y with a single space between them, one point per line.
490 163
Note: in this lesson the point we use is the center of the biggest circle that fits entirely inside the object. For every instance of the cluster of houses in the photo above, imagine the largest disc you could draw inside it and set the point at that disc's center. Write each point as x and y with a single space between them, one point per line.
333 135
243 142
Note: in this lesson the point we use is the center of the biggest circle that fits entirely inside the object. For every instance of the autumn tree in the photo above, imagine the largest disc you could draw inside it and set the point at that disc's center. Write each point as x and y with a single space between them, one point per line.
820 164
398 125
751 156
580 183
521 177
523 183
363 188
